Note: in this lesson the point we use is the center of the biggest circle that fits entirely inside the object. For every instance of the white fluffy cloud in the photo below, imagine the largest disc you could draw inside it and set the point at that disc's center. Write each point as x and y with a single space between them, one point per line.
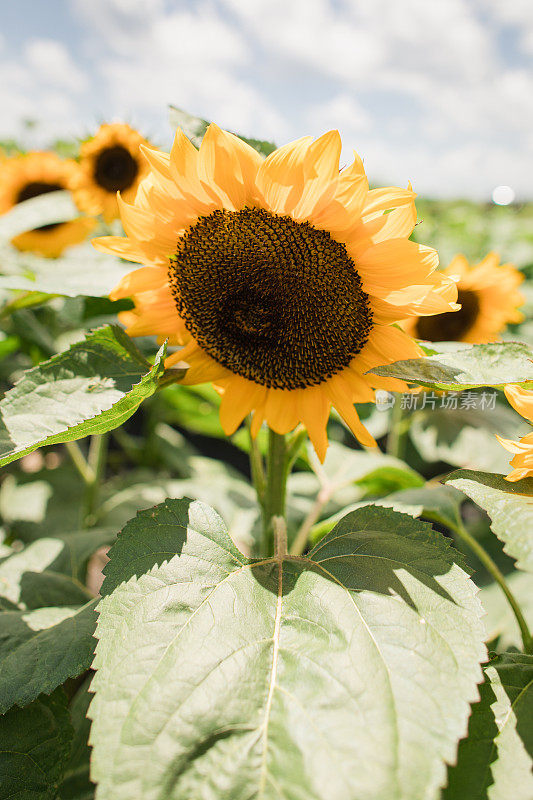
437 92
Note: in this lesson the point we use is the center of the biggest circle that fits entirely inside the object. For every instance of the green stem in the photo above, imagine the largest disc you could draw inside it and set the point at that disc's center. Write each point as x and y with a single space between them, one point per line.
498 576
275 488
96 461
78 459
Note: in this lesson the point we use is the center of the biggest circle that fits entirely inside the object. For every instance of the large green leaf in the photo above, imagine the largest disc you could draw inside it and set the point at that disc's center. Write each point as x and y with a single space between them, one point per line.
91 388
495 760
509 505
343 674
35 745
41 648
466 367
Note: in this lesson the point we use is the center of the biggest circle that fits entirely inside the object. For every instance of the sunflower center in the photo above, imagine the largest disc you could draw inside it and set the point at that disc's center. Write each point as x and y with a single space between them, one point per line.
115 169
453 325
35 189
273 300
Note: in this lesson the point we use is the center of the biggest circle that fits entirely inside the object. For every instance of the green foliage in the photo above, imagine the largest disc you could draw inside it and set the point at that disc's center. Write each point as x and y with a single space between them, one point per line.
510 507
92 388
223 698
495 760
35 745
41 648
457 366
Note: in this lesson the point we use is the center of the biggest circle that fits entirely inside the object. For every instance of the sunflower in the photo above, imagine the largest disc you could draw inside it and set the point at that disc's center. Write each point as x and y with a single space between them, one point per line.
522 401
110 162
25 176
489 298
281 278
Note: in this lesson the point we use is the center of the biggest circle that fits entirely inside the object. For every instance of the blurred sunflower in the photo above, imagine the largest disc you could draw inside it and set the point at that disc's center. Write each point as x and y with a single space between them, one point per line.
522 401
110 162
281 277
25 176
489 298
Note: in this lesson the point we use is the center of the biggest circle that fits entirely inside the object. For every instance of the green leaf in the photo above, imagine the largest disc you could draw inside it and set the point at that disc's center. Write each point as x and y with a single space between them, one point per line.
41 589
495 759
437 503
35 744
91 388
195 127
508 504
80 272
40 649
466 367
344 674
76 782
48 565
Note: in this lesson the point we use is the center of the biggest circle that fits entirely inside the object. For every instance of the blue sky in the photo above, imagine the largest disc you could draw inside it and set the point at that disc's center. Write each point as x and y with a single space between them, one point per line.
439 92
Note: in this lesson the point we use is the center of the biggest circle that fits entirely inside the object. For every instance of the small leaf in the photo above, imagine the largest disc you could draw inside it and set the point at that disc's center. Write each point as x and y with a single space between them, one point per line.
496 758
509 505
91 388
467 367
344 674
40 649
35 745
195 127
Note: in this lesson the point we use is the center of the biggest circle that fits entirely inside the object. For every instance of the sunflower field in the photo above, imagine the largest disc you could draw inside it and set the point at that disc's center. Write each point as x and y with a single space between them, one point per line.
267 477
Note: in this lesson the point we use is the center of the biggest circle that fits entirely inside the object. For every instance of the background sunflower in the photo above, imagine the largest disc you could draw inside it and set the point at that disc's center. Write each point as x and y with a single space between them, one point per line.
489 298
110 162
26 176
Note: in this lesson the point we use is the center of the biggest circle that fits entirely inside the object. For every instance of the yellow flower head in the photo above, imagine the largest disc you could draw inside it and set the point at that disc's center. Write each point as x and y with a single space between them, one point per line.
522 401
110 162
281 277
25 176
489 298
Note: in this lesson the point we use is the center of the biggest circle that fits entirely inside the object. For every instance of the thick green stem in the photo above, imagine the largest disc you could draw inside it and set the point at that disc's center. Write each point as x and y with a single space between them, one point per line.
498 576
275 489
96 461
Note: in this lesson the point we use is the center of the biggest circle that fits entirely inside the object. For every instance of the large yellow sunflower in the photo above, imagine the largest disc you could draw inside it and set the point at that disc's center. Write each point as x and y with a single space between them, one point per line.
110 162
25 176
280 277
489 298
522 401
